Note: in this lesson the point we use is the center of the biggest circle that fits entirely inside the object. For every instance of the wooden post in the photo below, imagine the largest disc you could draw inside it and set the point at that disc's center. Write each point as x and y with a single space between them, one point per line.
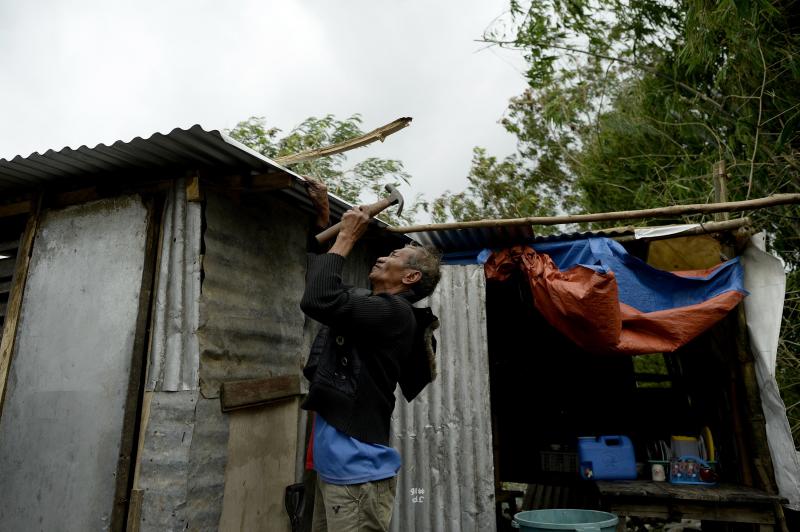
757 421
15 299
720 189
193 193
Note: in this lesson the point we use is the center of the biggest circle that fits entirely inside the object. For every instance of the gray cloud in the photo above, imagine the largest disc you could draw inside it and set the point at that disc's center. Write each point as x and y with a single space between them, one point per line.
81 72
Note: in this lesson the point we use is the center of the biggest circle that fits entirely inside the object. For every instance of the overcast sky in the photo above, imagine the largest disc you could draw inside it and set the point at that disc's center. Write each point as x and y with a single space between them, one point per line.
84 72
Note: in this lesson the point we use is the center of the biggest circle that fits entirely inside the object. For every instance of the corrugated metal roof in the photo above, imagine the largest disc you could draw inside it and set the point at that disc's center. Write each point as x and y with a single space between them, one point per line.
160 154
473 240
178 149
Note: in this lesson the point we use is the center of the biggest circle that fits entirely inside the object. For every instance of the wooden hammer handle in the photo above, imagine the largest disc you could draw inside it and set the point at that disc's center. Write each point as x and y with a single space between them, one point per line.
372 210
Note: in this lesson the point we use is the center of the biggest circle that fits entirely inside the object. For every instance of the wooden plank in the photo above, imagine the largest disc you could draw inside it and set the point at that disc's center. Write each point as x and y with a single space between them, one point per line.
75 197
15 209
144 419
260 182
135 511
256 392
706 512
724 493
193 193
15 301
262 450
272 181
130 425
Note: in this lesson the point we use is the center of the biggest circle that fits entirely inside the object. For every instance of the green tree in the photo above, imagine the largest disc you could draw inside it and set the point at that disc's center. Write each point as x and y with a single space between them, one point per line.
351 183
630 103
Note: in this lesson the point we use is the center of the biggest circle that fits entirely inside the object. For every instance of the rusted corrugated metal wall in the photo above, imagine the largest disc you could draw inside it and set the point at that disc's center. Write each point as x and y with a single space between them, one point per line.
251 324
445 435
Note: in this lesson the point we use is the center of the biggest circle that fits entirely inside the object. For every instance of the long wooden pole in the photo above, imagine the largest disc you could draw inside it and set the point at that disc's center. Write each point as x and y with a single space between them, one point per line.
674 210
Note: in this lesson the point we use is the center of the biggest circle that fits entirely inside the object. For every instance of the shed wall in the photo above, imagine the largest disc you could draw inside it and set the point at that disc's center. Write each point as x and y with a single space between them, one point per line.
61 427
249 326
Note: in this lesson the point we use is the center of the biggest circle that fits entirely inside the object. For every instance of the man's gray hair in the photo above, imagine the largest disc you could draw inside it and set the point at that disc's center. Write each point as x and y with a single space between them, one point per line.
426 260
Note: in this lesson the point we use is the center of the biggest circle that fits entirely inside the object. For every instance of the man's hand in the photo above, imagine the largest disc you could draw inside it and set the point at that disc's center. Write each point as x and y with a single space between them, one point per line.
318 194
354 224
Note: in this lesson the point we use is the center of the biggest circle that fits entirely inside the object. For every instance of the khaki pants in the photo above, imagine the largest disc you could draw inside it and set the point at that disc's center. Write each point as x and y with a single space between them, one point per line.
354 507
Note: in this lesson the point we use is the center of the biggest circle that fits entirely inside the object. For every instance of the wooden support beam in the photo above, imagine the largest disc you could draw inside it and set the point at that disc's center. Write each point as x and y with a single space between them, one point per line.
15 209
256 392
193 193
15 300
720 189
259 182
674 210
135 511
757 422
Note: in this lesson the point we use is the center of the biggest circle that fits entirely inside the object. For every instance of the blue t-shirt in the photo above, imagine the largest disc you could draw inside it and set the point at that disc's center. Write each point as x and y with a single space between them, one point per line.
341 459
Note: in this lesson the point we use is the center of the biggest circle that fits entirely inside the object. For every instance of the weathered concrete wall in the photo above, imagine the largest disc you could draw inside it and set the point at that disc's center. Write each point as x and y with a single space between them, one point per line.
61 426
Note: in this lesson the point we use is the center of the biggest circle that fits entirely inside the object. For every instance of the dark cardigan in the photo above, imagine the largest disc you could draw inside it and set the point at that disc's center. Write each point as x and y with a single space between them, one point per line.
369 344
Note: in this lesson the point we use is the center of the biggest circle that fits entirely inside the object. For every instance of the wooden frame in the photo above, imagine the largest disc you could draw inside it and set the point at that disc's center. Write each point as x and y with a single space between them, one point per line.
15 300
133 405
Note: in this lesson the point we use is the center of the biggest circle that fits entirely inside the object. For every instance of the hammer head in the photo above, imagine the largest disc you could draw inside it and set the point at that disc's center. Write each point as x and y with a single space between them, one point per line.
395 197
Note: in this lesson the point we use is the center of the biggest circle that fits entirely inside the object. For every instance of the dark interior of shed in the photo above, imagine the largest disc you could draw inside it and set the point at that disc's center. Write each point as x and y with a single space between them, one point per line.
546 392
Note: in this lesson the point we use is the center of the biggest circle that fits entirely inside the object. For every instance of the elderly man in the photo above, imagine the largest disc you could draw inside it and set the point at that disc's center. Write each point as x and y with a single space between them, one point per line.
370 342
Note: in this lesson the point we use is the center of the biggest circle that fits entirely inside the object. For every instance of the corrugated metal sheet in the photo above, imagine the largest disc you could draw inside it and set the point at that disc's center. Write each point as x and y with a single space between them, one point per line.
164 463
445 435
160 155
476 239
251 324
178 149
182 466
174 352
208 456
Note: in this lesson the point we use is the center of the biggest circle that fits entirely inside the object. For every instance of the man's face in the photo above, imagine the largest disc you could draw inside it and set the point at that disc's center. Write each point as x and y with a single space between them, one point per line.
391 273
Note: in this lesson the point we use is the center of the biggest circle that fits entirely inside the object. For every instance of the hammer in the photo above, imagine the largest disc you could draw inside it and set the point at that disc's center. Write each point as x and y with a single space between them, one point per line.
372 210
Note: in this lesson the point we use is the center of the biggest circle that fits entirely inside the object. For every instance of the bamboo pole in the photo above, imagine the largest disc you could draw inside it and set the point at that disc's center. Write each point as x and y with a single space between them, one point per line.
368 138
674 210
720 188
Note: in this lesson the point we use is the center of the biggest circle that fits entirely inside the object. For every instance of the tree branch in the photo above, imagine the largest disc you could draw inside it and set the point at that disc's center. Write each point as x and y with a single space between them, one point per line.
758 122
368 138
634 64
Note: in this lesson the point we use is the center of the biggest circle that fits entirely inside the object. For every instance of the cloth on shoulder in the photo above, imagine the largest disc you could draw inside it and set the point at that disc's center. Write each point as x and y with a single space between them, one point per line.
420 369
